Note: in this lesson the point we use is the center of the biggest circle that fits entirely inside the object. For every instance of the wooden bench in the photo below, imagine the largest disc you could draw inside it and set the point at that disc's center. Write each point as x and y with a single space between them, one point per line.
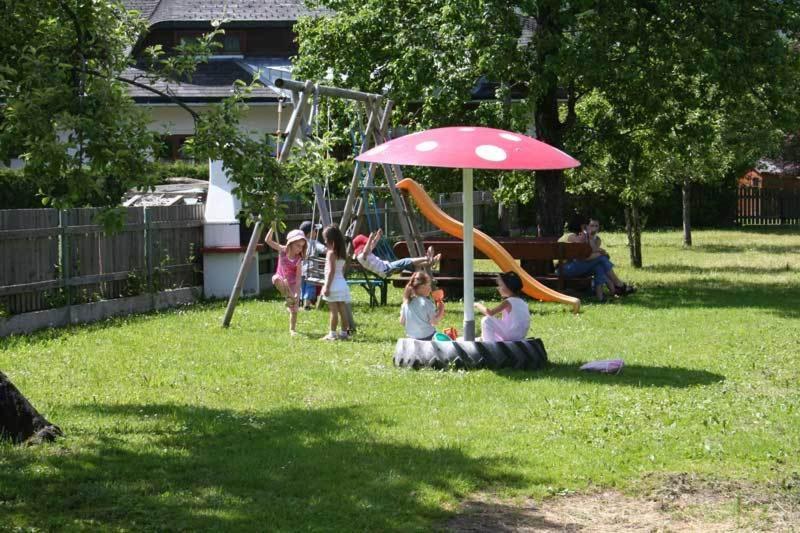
355 274
537 257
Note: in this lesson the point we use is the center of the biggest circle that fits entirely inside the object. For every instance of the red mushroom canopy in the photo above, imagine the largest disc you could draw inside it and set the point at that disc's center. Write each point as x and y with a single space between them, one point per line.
470 147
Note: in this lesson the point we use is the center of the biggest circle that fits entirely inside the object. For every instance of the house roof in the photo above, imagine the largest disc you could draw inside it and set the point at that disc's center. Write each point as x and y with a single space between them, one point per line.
158 11
210 82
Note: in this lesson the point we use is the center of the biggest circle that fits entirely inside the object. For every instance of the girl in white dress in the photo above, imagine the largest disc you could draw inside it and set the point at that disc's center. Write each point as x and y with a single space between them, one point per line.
335 290
515 319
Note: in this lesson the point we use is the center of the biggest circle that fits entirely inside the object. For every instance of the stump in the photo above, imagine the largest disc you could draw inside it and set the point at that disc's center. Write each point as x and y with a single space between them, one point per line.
19 421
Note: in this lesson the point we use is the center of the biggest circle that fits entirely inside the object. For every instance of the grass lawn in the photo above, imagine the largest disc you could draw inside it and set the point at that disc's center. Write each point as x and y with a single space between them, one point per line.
174 423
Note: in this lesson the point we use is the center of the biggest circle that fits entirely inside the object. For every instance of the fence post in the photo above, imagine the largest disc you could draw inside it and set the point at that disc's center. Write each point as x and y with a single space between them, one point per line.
148 249
66 261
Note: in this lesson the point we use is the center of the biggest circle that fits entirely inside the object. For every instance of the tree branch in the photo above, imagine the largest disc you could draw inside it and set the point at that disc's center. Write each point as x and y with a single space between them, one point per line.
174 99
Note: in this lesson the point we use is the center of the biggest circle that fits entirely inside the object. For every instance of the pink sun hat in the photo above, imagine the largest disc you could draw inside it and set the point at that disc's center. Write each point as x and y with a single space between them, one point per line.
295 235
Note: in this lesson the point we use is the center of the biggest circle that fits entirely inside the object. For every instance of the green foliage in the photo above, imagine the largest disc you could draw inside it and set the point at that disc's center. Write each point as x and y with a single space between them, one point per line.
18 191
175 423
187 169
69 116
81 137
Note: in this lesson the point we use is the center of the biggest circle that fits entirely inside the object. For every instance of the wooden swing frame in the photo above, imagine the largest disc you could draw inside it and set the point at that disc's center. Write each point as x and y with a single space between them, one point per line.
378 111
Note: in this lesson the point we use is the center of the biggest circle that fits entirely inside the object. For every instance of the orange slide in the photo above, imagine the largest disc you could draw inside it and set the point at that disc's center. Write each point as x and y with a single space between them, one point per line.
485 244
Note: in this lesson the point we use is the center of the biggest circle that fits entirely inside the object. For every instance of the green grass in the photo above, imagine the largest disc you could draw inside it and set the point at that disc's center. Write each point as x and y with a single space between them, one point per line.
174 423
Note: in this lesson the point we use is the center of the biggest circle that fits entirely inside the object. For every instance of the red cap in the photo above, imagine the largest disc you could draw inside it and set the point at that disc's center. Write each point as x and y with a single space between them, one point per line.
358 243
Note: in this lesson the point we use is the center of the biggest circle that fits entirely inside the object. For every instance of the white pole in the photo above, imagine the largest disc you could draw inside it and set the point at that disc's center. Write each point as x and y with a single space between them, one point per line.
469 293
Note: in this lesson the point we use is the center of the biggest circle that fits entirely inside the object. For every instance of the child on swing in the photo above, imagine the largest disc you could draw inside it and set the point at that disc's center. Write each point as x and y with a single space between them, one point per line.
288 272
363 247
515 319
335 290
418 313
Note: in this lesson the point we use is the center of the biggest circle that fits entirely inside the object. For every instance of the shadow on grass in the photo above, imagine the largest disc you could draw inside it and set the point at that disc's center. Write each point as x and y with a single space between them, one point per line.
738 249
715 293
631 375
171 467
674 268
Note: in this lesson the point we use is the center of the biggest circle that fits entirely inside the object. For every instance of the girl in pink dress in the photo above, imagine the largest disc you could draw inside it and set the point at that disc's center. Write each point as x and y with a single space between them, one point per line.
288 273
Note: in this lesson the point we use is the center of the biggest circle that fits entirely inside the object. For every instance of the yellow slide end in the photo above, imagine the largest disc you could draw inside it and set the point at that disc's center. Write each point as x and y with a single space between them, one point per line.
491 248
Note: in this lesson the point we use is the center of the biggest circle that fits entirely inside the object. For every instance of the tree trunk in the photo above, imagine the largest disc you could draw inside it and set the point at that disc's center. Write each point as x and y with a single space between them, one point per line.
686 198
550 188
19 421
550 203
633 228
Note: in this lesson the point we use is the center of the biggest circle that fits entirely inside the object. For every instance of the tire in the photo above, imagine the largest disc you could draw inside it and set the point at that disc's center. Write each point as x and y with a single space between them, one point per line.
519 355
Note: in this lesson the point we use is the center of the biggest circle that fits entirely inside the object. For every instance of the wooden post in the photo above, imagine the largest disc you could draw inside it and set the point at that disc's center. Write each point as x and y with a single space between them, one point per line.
243 270
66 260
148 250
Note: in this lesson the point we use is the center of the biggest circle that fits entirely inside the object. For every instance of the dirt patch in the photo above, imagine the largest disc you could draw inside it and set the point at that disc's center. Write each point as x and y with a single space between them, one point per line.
679 502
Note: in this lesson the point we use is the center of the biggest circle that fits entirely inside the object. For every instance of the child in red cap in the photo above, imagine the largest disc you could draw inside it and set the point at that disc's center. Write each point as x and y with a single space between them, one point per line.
362 249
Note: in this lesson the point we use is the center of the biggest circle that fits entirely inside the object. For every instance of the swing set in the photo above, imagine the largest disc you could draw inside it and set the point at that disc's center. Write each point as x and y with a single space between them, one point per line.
360 205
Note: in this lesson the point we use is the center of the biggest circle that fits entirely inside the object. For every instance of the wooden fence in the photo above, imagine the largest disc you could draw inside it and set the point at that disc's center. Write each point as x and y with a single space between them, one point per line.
756 206
51 258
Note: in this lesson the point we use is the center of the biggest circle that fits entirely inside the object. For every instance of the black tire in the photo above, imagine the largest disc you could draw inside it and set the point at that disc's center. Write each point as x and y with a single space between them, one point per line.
519 355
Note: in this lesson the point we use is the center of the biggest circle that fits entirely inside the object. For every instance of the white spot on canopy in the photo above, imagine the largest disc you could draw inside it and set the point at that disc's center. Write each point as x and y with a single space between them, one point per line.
490 152
511 137
426 146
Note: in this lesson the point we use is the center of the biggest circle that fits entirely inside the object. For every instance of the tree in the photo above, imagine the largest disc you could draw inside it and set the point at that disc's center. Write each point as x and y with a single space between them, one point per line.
650 60
711 83
67 112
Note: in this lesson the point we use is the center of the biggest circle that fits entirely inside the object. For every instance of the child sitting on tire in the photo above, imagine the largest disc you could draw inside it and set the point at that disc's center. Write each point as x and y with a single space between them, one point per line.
418 313
515 317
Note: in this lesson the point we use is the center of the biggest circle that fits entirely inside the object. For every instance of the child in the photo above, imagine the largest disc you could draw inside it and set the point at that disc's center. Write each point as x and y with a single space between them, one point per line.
362 249
516 317
418 313
315 248
335 289
287 275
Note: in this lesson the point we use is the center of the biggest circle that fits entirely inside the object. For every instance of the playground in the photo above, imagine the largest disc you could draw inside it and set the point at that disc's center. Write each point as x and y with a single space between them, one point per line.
174 423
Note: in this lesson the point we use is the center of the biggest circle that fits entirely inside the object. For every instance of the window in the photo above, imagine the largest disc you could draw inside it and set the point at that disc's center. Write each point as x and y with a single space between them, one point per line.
232 43
173 148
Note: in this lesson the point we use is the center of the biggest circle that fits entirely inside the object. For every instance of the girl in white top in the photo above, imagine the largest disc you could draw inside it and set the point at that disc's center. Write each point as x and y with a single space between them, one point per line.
335 289
515 319
418 313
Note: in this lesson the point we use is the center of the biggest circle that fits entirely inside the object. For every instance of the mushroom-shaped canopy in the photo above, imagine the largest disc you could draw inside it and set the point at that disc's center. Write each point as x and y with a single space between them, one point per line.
469 147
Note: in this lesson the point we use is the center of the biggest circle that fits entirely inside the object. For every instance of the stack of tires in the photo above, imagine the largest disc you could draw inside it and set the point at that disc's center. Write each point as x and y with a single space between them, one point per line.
528 354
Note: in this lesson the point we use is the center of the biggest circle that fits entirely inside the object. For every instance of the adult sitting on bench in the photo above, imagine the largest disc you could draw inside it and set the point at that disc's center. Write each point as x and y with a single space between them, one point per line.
362 250
597 264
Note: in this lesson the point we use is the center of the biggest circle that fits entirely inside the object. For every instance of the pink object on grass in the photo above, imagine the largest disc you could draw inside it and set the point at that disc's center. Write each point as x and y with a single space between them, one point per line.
607 366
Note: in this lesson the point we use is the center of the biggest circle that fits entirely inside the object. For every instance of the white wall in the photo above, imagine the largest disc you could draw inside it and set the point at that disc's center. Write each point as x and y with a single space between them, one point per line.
173 120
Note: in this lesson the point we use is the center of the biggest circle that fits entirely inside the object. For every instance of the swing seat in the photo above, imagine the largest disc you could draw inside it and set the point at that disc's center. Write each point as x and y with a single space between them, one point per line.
354 275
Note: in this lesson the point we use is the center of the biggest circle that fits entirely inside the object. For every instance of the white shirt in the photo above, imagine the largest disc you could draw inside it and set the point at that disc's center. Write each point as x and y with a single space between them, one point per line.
373 263
417 315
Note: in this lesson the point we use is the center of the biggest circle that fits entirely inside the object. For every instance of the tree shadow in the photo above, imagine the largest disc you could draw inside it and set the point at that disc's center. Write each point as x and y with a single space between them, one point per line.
717 292
173 467
741 248
631 375
674 268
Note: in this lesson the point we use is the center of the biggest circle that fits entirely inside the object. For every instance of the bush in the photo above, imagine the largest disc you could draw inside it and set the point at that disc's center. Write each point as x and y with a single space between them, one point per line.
168 169
18 191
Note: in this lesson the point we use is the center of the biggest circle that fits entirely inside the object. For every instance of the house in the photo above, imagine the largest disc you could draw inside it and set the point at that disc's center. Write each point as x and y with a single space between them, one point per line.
773 174
259 40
